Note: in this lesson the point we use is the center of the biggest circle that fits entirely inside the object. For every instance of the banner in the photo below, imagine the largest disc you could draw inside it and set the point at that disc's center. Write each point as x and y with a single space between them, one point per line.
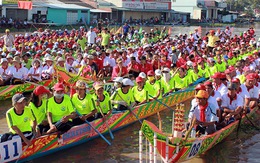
25 4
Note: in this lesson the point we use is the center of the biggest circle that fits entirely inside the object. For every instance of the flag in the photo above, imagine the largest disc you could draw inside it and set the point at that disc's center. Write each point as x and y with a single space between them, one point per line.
112 30
170 31
119 30
25 4
140 30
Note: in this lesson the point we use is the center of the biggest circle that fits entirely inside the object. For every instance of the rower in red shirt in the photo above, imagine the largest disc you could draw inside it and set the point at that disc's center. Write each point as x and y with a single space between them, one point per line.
164 61
119 70
133 67
145 66
156 62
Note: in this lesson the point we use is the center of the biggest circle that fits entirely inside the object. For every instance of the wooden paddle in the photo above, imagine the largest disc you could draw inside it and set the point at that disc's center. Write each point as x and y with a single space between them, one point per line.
110 132
95 129
130 109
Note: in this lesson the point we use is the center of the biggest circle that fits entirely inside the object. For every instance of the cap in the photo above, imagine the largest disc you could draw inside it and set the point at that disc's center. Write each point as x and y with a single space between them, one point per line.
18 98
35 61
208 83
60 59
235 80
127 81
97 86
250 76
49 58
40 90
158 72
58 87
202 94
90 57
118 79
216 75
81 84
232 86
142 75
139 79
17 59
150 73
166 69
200 87
3 60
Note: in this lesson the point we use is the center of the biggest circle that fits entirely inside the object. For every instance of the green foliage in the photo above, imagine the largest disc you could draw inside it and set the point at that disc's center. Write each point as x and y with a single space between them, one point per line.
243 6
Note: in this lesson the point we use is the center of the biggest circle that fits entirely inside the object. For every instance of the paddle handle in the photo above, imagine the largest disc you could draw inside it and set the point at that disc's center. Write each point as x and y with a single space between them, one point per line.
95 129
110 132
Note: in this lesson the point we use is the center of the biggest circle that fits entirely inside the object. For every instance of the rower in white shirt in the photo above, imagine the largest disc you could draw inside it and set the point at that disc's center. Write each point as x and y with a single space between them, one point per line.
5 74
35 71
232 104
252 90
204 112
218 85
18 71
48 70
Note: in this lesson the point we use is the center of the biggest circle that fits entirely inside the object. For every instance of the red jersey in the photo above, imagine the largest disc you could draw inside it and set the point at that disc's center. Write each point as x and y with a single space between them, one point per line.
116 71
146 67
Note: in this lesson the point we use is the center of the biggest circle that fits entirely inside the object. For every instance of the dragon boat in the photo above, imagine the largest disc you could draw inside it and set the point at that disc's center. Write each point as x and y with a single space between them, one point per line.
9 90
44 145
174 148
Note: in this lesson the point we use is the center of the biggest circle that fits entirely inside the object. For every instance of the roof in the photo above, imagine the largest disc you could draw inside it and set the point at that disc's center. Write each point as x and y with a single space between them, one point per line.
100 11
65 6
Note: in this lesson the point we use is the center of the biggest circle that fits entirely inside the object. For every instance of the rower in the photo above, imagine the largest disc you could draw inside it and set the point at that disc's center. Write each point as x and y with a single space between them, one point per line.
218 85
204 112
5 74
19 119
18 72
34 74
232 104
123 97
38 106
252 89
214 97
59 110
83 103
103 102
153 87
140 92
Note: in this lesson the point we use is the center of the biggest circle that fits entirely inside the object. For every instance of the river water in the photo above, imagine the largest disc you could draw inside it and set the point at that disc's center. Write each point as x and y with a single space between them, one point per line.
124 148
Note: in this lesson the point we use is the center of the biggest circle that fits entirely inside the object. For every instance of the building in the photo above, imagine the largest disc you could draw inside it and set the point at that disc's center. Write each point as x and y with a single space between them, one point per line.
139 10
199 9
49 11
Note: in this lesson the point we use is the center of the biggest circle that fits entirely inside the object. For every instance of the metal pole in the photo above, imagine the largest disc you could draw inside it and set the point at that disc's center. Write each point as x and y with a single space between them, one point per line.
140 147
150 152
155 148
167 150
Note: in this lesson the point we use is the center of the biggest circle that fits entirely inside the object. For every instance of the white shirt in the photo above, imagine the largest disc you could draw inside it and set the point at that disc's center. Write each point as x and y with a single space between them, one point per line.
253 92
7 71
34 71
91 37
222 89
20 73
244 93
234 103
48 69
210 113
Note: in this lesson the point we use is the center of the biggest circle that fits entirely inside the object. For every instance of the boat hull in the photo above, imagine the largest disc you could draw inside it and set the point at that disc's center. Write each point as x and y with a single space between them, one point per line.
8 91
79 134
181 150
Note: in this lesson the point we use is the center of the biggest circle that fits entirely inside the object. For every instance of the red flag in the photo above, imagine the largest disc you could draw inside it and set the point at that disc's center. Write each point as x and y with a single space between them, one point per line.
170 31
25 4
